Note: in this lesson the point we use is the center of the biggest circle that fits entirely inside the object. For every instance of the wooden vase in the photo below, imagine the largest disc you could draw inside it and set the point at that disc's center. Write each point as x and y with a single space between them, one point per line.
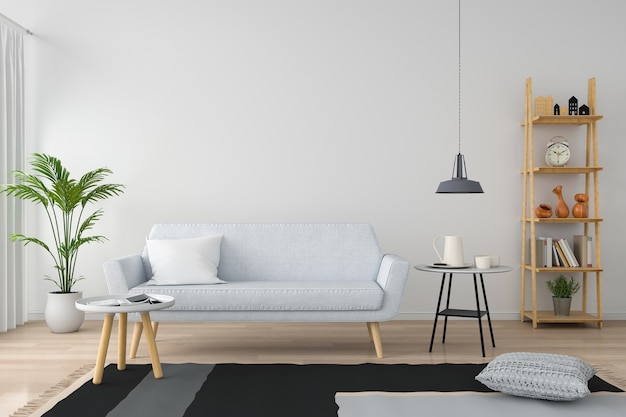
580 209
543 211
562 210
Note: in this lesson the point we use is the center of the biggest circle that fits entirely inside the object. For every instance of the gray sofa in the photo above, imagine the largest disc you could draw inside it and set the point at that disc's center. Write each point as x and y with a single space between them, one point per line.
267 273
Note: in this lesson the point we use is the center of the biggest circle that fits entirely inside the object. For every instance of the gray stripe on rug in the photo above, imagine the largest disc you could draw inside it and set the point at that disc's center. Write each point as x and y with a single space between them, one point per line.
375 404
169 396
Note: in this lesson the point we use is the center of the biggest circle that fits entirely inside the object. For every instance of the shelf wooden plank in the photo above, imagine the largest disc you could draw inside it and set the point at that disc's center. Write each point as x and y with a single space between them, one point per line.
564 269
548 316
563 170
564 120
564 220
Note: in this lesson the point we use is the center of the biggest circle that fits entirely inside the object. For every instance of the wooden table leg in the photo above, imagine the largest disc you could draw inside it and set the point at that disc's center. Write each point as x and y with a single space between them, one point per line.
121 341
154 354
102 350
134 344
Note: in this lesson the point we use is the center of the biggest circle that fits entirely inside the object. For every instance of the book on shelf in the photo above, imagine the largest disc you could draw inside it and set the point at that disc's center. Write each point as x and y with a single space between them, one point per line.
561 254
554 252
569 254
583 250
543 252
556 262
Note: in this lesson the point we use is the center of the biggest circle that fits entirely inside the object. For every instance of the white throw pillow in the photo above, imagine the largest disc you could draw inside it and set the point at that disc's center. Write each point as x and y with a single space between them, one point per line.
184 261
546 376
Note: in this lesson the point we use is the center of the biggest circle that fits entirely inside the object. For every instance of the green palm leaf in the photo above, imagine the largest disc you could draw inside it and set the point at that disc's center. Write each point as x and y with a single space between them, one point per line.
64 200
26 240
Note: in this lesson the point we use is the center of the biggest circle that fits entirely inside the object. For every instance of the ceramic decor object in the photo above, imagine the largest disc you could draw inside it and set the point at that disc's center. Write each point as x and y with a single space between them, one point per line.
543 211
580 209
562 210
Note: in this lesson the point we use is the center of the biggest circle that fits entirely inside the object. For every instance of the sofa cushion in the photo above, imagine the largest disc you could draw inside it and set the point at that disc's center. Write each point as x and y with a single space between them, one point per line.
267 252
278 295
184 261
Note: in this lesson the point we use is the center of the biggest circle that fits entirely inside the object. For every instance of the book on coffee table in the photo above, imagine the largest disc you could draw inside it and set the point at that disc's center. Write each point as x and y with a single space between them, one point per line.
135 299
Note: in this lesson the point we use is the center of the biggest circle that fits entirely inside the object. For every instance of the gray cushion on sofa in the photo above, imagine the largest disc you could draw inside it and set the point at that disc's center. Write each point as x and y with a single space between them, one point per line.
343 295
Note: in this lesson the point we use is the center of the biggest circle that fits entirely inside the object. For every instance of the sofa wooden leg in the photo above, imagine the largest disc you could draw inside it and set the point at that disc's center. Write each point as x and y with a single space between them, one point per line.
374 330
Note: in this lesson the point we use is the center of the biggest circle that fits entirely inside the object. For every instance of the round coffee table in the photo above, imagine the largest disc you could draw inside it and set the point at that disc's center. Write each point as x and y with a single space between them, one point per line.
118 304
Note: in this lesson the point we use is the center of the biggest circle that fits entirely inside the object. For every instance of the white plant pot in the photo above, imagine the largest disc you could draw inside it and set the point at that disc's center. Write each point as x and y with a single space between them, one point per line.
62 316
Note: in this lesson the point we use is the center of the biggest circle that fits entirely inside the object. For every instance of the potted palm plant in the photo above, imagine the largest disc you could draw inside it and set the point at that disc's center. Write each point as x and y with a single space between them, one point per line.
64 200
562 291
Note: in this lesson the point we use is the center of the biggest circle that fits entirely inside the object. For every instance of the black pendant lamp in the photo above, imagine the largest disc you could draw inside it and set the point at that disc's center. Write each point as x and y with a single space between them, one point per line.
459 184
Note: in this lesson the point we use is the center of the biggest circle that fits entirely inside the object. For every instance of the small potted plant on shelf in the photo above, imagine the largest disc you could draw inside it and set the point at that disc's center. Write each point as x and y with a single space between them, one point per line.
562 291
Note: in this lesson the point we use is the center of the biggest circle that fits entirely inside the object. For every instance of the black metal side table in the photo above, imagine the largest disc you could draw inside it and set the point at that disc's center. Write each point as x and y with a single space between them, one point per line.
452 312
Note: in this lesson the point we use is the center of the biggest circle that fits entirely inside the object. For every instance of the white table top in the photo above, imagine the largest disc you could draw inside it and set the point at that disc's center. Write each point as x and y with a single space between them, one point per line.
469 270
96 304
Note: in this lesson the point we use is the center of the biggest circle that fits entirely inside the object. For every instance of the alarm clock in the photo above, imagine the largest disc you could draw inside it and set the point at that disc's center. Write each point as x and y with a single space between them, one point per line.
558 152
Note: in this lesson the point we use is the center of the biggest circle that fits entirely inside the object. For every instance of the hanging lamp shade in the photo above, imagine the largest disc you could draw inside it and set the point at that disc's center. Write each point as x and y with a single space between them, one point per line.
459 184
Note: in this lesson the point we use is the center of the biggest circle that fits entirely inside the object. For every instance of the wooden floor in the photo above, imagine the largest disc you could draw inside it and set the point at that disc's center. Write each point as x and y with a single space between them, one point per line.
33 359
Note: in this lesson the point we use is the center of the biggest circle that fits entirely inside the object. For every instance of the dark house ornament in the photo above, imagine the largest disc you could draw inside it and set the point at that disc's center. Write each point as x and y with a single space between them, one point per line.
557 110
583 110
573 106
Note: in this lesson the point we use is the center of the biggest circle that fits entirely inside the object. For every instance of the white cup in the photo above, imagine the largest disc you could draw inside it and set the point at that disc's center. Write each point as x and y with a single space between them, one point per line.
482 261
495 260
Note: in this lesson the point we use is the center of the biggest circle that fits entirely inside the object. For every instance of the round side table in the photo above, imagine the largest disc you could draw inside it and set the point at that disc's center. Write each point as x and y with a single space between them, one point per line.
118 304
454 312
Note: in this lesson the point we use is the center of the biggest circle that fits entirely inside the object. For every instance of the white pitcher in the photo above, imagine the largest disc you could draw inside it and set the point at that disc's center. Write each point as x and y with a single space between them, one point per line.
452 250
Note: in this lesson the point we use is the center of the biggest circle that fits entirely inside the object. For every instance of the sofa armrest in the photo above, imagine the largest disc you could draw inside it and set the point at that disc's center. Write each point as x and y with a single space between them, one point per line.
124 273
392 277
392 268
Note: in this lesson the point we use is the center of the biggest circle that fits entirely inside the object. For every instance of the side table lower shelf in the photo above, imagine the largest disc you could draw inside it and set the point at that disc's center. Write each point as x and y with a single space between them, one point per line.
548 316
455 312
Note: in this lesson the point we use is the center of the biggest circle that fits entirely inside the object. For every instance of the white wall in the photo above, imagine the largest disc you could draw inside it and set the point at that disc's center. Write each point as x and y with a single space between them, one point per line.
320 111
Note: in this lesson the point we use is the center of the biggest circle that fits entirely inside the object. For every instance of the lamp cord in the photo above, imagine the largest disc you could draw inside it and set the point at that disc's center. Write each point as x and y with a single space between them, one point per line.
459 76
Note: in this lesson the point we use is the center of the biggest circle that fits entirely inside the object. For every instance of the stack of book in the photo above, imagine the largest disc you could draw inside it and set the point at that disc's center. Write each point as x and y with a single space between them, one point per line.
557 252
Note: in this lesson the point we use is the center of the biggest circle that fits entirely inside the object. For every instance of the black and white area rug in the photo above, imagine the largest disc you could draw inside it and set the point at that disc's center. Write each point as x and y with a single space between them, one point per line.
289 390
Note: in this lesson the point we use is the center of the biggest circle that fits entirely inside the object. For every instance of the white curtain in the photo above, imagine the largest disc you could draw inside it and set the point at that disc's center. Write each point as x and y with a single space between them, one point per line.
12 265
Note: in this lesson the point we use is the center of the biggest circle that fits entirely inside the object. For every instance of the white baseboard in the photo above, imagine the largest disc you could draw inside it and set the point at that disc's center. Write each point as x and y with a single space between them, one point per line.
420 315
494 316
431 316
39 316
